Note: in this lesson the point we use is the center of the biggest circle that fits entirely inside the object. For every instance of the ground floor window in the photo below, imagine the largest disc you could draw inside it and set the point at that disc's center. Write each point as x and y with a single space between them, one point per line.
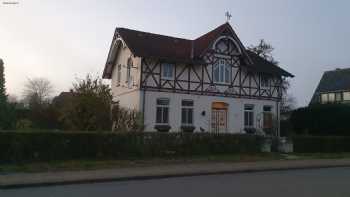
248 116
187 112
162 115
267 119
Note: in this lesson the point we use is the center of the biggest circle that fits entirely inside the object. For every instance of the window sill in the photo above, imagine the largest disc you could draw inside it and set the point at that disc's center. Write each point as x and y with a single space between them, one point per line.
187 128
222 83
168 79
162 127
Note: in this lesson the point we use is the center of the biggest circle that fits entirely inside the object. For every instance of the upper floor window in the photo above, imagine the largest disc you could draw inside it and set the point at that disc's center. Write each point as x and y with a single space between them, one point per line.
338 97
168 71
128 75
119 74
264 81
187 112
222 72
324 98
346 96
162 114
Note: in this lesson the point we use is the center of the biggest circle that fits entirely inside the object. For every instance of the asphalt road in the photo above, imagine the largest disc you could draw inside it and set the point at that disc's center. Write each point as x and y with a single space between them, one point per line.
330 182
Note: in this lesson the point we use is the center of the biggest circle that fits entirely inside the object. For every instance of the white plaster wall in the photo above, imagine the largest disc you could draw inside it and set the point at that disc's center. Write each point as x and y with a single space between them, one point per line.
130 100
122 58
202 103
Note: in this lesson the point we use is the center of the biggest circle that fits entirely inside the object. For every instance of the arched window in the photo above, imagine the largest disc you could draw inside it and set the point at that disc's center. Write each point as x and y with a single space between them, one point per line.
222 71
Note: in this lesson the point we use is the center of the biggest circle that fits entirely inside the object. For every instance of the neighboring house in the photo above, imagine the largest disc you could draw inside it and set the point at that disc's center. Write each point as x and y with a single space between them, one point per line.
334 87
210 84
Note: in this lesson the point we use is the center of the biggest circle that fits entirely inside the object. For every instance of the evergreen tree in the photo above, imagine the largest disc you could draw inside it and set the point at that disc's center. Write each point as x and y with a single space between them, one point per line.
7 112
3 96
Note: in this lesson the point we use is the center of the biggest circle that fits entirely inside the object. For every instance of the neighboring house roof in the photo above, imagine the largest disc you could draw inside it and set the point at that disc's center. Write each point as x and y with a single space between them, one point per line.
144 44
332 81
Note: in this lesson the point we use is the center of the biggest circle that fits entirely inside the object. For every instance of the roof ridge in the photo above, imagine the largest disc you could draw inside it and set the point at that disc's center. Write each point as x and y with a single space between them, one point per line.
154 34
338 70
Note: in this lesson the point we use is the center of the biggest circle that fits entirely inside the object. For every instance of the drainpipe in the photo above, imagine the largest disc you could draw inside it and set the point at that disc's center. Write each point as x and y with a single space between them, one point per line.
278 118
143 106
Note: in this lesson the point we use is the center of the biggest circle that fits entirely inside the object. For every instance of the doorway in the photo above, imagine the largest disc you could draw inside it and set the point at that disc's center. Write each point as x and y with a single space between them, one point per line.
219 117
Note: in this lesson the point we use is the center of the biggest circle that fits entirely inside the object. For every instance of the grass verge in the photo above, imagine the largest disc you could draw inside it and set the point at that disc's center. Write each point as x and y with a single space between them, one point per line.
75 165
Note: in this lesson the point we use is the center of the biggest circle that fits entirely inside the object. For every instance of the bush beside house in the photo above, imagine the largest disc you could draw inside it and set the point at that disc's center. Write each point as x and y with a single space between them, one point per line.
322 120
319 144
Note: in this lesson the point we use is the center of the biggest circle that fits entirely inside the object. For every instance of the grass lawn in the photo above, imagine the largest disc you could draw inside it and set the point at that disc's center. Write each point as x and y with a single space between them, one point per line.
108 164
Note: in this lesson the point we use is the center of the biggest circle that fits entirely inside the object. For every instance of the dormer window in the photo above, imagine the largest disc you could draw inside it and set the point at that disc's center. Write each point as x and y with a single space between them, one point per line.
222 72
168 71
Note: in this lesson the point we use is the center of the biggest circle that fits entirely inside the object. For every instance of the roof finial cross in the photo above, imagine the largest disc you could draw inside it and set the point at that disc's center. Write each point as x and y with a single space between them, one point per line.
228 16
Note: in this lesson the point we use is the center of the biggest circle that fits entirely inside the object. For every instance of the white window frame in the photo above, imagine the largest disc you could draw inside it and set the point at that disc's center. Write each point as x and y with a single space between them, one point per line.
187 108
223 69
165 69
162 107
346 96
338 96
244 116
324 98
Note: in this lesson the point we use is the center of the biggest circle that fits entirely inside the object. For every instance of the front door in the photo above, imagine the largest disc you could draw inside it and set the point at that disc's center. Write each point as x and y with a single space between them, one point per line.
219 117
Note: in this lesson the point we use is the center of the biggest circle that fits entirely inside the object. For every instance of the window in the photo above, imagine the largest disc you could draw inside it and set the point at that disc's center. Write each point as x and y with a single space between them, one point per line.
267 112
264 81
248 116
128 73
324 98
338 97
162 114
187 112
346 96
168 71
129 80
222 72
119 74
331 97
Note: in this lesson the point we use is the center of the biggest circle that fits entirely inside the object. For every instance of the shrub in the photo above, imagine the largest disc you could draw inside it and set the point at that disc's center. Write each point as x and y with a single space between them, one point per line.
49 146
319 144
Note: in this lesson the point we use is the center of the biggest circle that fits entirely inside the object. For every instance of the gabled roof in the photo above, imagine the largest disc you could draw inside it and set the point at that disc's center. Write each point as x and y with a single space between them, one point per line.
144 44
333 81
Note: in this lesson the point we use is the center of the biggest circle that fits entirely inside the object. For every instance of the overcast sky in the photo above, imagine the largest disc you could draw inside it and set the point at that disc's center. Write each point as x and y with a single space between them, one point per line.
65 39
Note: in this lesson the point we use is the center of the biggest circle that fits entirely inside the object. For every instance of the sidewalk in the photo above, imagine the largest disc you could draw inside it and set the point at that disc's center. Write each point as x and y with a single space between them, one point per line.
140 173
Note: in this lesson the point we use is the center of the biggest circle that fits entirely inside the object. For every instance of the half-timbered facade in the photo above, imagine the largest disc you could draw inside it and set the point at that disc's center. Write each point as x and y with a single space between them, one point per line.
210 84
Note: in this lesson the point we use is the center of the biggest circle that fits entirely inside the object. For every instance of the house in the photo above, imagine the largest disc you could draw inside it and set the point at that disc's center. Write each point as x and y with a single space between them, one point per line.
334 87
209 84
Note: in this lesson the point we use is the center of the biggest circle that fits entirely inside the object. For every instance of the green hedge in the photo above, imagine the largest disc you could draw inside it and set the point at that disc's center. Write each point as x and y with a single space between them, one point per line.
50 146
315 144
322 120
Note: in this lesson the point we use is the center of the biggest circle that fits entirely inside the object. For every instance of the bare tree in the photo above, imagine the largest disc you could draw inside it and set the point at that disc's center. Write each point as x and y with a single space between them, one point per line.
264 50
37 90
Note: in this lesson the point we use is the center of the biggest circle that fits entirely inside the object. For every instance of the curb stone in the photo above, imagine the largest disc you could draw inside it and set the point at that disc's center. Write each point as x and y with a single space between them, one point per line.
21 180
